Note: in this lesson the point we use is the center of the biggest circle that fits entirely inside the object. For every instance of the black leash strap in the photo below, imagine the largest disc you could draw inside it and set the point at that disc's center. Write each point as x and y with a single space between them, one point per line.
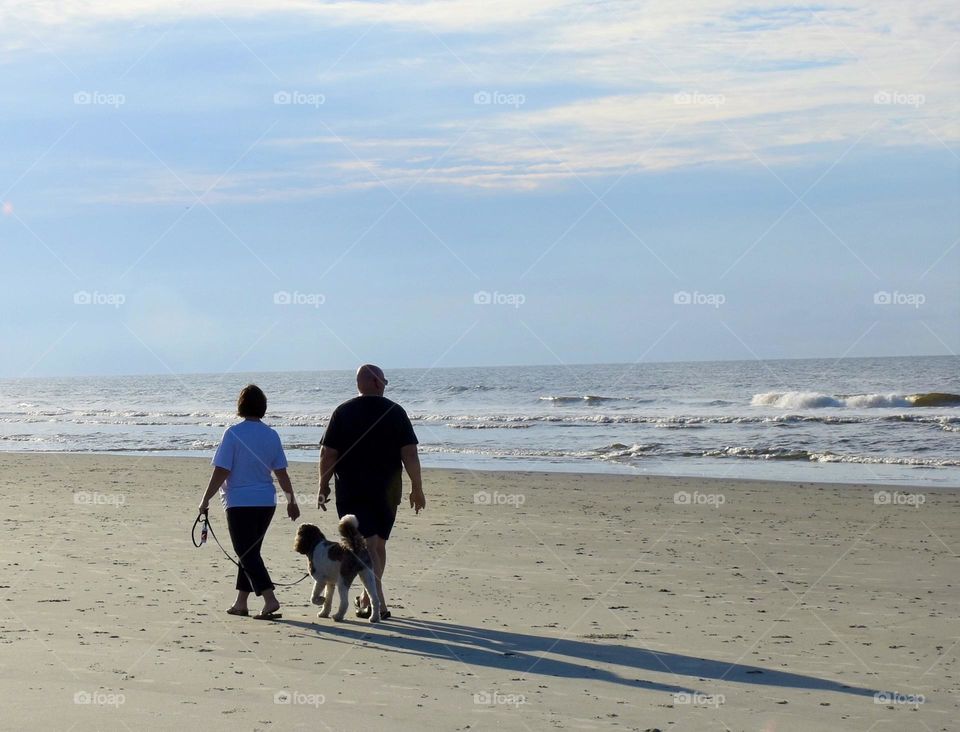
203 521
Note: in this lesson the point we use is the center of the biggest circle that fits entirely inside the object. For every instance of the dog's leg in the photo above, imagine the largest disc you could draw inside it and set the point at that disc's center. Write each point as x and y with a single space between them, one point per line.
369 580
344 589
317 597
327 601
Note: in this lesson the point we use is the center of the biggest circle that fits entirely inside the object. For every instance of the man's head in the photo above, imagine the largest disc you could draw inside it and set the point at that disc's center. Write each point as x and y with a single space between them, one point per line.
370 380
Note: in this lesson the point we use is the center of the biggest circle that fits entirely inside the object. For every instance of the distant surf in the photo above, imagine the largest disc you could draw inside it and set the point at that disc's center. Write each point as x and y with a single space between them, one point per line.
817 400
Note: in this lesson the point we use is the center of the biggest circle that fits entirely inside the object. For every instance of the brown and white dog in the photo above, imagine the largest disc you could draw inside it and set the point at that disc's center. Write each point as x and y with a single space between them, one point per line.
338 564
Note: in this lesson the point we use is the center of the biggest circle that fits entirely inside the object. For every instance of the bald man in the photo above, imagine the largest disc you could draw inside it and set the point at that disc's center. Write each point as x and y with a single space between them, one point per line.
367 443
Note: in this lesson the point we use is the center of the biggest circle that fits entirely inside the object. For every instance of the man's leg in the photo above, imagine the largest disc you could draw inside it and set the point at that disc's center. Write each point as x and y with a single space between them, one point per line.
377 547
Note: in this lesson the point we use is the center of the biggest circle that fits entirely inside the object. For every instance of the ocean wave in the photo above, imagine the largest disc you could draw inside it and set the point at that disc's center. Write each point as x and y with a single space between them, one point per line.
782 453
488 426
818 400
587 399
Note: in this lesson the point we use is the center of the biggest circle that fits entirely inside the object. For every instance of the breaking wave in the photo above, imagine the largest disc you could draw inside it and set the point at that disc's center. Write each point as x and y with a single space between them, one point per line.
816 400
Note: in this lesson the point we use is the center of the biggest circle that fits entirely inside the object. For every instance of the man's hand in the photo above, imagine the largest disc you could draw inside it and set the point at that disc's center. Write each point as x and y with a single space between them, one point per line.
323 496
204 506
417 500
293 511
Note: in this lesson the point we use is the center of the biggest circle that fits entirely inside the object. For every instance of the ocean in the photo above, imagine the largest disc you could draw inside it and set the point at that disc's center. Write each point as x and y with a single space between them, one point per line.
873 420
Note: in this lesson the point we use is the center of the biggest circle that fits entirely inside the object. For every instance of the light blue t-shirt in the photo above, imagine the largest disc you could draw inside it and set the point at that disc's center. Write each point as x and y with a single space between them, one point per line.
251 451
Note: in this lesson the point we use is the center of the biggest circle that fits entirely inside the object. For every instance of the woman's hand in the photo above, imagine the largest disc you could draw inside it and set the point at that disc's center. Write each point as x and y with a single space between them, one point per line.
204 505
293 511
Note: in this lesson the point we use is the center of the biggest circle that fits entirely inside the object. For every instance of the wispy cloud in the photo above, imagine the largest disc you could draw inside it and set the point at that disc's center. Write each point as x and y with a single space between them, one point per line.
550 91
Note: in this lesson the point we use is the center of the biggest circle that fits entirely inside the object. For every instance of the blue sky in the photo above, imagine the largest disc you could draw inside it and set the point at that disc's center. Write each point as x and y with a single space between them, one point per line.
291 185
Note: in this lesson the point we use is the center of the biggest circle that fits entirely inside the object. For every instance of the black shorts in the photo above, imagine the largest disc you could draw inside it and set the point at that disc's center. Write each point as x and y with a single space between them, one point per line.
376 516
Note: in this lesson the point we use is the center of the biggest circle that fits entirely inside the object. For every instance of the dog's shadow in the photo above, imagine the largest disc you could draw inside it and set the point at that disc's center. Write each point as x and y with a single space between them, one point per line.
524 654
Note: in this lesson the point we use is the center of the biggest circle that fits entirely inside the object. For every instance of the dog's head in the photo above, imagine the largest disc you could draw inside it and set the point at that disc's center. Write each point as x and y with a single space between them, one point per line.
308 536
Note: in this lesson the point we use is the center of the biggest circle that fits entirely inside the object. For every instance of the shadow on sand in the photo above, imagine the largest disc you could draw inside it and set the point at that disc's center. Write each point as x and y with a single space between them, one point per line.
523 654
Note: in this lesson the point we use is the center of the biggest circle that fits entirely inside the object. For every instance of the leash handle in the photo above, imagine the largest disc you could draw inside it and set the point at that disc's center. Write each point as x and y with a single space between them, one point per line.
203 522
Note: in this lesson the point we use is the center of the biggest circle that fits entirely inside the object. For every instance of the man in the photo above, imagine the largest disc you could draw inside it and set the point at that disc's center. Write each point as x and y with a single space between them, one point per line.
368 441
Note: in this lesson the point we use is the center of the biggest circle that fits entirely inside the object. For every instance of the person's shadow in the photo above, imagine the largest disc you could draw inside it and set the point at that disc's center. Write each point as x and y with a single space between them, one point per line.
523 654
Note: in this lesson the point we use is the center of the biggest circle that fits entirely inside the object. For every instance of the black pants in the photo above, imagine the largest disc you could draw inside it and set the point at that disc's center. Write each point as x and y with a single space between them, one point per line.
248 526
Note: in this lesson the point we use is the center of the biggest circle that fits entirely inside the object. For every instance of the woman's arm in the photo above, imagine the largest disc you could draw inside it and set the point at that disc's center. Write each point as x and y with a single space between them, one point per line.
283 478
216 480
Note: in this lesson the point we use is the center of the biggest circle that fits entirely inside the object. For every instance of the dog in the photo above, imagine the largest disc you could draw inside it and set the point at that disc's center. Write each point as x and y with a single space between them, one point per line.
338 564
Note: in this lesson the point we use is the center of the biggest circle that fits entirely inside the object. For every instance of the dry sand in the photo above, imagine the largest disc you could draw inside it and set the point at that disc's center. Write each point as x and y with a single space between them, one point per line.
566 601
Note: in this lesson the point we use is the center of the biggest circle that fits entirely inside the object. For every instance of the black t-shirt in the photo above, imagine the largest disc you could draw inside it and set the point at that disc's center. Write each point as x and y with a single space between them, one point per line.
367 432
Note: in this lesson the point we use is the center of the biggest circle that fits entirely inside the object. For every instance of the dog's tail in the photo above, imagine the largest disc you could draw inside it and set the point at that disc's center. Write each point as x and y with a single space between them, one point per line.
350 531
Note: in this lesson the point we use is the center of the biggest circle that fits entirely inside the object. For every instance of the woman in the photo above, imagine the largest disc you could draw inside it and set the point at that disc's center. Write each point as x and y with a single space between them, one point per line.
248 452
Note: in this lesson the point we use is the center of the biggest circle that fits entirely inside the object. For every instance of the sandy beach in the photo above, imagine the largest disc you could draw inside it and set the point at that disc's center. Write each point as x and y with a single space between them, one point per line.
521 601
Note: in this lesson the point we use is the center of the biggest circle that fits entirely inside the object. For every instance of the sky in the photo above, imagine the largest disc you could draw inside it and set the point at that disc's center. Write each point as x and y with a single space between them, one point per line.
291 185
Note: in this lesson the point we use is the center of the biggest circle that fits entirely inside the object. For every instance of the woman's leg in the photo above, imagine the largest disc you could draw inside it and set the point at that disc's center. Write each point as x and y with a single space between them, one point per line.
248 527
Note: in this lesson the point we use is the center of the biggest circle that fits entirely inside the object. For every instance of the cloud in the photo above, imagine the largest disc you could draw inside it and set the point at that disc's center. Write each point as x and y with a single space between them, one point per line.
578 90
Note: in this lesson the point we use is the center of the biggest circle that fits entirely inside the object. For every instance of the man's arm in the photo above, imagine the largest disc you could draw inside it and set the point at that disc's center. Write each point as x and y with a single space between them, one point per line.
411 461
328 461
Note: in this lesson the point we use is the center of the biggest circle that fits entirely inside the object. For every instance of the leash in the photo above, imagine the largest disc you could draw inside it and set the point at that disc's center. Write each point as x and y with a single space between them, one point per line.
206 528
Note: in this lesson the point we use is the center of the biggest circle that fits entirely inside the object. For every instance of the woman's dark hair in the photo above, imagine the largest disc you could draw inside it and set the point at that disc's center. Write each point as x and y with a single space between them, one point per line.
252 402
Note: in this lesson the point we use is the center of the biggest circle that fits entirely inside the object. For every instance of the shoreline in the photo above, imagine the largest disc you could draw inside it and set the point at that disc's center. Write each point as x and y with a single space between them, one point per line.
626 472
